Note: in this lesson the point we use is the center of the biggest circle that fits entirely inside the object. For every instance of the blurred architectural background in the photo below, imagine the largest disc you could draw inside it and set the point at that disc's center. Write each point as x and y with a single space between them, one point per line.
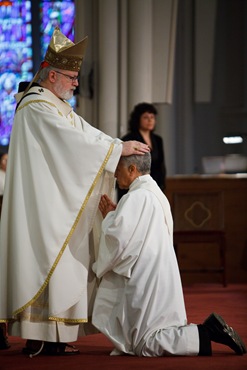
188 57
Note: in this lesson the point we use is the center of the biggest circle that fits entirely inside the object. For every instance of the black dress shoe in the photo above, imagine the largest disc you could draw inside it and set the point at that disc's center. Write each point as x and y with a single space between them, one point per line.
220 332
4 344
37 347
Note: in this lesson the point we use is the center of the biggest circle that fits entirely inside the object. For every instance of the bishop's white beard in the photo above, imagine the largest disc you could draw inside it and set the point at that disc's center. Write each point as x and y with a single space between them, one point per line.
61 92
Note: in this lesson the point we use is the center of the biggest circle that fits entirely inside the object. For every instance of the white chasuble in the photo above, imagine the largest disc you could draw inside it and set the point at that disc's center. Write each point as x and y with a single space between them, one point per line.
57 169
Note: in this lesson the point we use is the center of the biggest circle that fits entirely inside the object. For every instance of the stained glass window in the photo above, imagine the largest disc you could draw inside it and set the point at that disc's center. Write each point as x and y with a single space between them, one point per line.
17 49
15 58
56 13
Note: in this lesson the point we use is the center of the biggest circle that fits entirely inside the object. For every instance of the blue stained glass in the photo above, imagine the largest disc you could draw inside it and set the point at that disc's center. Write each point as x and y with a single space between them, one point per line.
16 52
61 14
56 13
15 58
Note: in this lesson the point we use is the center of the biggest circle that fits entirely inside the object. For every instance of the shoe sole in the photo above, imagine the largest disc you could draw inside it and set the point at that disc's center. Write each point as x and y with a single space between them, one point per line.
238 344
45 352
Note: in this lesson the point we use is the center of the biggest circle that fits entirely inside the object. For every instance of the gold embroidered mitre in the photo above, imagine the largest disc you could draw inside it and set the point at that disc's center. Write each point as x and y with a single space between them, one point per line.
62 53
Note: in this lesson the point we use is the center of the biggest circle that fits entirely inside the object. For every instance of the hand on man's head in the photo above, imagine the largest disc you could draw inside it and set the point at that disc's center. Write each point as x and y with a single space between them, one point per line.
134 147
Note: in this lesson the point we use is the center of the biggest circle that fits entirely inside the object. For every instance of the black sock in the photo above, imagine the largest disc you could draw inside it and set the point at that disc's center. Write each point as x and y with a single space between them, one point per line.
205 348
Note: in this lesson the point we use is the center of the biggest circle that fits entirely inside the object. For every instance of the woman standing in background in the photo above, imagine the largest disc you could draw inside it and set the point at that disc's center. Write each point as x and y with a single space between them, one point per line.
142 124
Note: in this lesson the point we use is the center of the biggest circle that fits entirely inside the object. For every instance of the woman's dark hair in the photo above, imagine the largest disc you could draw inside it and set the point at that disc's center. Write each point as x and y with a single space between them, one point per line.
135 115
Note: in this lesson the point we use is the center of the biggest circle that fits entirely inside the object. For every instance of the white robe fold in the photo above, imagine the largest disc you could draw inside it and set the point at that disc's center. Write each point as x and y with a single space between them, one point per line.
139 304
58 166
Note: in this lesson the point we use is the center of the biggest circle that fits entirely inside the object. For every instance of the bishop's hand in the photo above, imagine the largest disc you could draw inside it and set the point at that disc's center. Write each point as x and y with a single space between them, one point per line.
134 147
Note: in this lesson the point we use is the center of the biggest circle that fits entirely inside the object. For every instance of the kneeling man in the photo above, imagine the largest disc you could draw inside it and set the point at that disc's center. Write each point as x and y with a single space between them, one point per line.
140 305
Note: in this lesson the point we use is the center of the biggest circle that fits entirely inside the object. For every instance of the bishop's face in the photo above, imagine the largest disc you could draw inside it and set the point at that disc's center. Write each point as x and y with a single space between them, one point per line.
65 84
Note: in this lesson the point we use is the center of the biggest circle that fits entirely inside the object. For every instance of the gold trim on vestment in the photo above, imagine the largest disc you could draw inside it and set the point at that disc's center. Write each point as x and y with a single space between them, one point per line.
38 101
16 312
68 321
